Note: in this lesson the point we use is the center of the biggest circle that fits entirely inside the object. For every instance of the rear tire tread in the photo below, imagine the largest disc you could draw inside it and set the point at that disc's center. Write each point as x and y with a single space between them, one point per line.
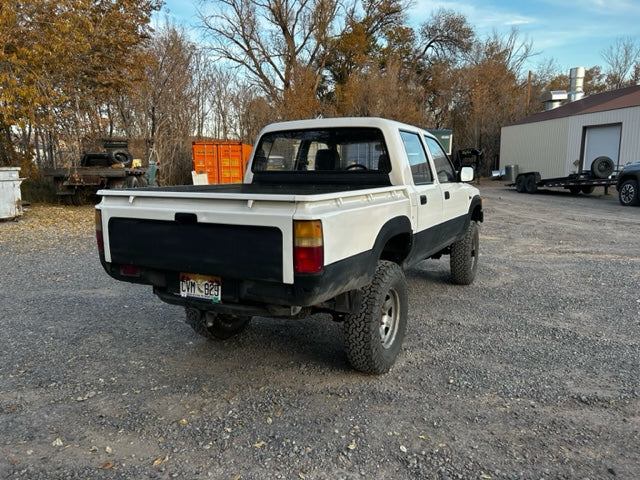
463 259
362 337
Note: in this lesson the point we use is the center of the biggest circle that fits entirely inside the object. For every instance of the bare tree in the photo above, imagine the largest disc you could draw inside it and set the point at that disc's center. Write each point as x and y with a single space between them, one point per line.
621 58
163 109
281 45
447 35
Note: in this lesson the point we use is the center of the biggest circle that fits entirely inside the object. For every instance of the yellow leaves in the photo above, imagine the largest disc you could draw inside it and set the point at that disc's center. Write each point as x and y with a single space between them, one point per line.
58 48
159 461
259 444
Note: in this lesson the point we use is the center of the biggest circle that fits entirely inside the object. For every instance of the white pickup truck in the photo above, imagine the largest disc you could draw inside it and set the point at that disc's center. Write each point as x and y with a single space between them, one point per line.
331 212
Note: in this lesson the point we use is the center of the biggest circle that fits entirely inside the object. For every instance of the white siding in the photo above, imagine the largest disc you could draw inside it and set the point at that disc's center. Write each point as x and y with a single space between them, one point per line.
536 147
630 135
552 147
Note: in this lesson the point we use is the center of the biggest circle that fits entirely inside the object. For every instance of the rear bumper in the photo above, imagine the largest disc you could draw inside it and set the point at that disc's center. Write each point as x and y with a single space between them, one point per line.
329 290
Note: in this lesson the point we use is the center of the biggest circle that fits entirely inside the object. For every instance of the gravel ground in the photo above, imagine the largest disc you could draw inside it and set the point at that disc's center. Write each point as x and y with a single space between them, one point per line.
532 372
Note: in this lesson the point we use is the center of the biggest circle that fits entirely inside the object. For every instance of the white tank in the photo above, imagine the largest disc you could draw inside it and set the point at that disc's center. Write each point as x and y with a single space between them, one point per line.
10 195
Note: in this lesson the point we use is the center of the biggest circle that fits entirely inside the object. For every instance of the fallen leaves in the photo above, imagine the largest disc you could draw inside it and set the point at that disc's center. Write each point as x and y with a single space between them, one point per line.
159 461
44 226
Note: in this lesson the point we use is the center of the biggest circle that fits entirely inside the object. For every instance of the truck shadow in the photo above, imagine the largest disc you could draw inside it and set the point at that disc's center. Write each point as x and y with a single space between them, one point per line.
312 343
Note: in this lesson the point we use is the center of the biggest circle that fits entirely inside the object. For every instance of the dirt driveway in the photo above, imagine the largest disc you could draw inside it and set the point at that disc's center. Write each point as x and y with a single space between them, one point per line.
532 372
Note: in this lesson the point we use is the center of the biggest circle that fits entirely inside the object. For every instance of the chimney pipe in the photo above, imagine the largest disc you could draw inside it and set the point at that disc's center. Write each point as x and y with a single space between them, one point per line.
576 77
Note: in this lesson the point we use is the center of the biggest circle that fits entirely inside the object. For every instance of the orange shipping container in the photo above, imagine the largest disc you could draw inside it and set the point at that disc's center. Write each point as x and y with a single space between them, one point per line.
222 161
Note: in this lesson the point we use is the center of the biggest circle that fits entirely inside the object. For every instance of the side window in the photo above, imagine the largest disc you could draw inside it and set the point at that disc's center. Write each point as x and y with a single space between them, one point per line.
444 169
417 158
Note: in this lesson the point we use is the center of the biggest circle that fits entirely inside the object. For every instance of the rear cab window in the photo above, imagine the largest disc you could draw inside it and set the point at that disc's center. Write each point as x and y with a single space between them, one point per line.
322 150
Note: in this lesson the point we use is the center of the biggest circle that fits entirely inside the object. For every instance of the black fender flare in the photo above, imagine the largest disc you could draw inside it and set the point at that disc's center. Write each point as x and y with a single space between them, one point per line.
475 213
475 209
397 234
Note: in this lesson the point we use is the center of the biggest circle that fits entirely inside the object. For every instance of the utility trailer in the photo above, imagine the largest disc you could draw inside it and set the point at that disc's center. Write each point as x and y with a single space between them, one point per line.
601 174
113 168
77 184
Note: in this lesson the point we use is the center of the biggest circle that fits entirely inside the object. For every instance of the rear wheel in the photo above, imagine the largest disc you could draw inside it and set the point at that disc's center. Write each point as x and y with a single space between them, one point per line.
463 260
374 335
574 190
628 193
216 326
531 184
520 184
132 182
588 189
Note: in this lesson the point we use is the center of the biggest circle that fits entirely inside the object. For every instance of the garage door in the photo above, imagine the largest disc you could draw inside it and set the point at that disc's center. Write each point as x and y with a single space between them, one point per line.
601 140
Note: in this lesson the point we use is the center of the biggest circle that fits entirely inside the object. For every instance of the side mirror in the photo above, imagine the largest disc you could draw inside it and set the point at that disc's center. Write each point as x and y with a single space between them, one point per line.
466 174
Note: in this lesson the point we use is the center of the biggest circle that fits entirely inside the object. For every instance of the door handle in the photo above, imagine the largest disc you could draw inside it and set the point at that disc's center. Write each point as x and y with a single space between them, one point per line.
447 195
423 199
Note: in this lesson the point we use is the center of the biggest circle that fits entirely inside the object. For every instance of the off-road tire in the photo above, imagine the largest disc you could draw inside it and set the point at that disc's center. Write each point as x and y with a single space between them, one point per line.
602 167
374 335
463 260
628 193
215 326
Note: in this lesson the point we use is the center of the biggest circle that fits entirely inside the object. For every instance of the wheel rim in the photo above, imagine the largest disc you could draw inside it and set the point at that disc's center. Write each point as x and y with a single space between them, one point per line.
626 193
390 318
474 252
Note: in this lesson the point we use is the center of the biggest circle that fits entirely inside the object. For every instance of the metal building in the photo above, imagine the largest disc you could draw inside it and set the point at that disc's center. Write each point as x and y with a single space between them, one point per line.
567 139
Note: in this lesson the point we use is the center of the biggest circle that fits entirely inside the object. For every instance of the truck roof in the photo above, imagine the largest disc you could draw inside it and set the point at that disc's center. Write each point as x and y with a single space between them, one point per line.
377 122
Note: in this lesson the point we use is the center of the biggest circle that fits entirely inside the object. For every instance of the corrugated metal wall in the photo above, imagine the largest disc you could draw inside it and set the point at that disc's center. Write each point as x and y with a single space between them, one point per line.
630 134
553 147
539 147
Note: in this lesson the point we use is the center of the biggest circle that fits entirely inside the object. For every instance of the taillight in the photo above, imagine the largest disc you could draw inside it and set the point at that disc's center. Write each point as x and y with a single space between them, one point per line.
308 249
130 270
99 237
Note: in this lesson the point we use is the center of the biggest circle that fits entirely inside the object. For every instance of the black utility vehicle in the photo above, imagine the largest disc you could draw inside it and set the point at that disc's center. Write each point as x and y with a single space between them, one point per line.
628 182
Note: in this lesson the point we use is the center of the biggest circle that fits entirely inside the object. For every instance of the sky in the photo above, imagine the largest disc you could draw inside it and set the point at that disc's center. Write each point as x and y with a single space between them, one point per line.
573 33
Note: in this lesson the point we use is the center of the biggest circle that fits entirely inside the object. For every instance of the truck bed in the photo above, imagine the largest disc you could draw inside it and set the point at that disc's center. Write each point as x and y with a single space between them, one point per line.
264 189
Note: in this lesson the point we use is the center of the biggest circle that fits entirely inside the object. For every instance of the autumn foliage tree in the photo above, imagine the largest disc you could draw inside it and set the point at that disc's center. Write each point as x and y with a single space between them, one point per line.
74 71
59 62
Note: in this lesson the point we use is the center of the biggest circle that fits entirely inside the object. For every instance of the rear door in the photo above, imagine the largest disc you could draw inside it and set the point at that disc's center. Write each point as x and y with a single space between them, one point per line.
426 198
454 194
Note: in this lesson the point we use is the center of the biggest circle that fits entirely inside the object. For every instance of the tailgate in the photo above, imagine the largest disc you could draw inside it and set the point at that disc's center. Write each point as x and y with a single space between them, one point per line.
230 251
230 235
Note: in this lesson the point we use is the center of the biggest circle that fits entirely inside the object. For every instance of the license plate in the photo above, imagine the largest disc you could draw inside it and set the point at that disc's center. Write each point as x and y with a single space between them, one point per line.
194 285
